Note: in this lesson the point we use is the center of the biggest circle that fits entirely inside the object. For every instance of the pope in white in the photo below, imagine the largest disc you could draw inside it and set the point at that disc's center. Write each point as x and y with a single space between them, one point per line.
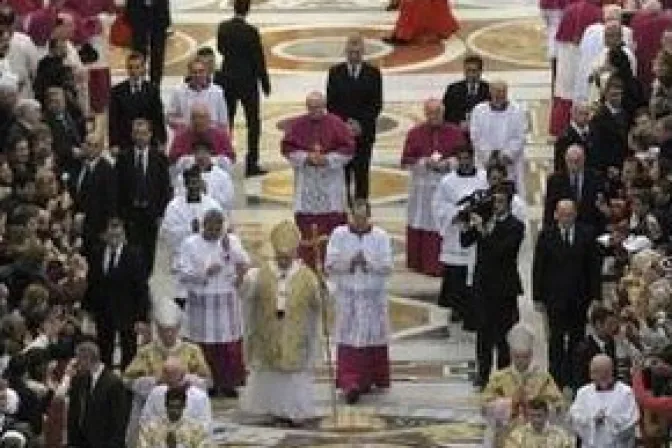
210 267
604 413
498 128
359 260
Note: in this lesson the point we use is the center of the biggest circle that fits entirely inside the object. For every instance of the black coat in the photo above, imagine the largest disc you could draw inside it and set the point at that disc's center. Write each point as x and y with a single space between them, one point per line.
497 282
103 422
568 138
558 187
360 99
566 278
126 107
122 294
158 182
142 17
609 134
244 63
457 103
67 135
97 198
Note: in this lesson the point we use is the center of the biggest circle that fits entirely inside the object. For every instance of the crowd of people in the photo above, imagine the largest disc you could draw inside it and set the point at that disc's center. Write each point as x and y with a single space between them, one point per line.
91 178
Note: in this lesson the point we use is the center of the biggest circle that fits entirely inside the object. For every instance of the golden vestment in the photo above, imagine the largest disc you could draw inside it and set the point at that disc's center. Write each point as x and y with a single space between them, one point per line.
188 433
150 358
524 436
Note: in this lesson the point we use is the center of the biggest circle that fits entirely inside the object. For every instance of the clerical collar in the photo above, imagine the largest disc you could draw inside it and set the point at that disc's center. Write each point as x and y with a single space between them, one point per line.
606 387
499 107
466 172
361 232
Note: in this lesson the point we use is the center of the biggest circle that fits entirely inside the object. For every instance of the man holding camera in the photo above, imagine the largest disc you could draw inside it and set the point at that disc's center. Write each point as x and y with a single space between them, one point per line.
458 261
497 283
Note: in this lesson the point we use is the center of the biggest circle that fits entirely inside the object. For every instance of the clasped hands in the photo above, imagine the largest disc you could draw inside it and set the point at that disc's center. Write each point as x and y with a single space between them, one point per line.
358 261
317 157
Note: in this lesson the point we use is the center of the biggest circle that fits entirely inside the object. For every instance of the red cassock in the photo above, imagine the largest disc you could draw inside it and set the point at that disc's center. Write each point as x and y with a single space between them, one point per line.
425 20
23 7
577 17
554 4
647 30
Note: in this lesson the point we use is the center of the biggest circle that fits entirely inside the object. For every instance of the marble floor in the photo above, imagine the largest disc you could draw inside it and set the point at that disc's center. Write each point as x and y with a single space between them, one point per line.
431 402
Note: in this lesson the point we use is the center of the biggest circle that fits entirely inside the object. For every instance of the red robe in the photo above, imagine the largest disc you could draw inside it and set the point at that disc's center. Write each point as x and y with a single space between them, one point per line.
423 245
647 30
554 4
335 137
218 138
23 7
426 20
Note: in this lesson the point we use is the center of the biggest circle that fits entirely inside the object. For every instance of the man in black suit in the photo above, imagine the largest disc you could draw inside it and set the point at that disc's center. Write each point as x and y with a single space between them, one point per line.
243 69
118 294
93 187
461 96
150 20
355 93
134 98
97 405
144 189
68 128
580 184
565 279
497 283
604 325
609 131
577 133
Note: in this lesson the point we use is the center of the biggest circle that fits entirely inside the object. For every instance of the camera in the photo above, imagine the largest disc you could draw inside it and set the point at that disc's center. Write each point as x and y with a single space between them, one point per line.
479 202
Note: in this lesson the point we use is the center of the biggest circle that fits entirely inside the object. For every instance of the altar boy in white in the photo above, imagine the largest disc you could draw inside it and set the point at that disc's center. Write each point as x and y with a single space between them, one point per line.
359 259
604 413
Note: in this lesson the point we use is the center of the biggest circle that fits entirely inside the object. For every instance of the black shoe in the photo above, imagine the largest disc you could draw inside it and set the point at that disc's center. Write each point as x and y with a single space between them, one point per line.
352 397
255 171
227 392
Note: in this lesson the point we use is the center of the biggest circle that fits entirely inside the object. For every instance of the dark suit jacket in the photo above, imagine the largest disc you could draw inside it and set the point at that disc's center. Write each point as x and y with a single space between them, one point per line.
568 138
244 64
65 138
103 424
360 99
558 187
564 278
609 135
97 198
583 354
126 107
156 16
457 104
122 294
158 182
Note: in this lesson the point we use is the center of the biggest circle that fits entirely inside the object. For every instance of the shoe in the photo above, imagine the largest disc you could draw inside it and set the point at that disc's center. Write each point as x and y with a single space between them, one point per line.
394 40
255 171
352 396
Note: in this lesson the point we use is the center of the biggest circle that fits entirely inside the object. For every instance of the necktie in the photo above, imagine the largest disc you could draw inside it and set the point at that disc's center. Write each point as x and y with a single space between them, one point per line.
140 179
566 237
353 71
472 89
84 399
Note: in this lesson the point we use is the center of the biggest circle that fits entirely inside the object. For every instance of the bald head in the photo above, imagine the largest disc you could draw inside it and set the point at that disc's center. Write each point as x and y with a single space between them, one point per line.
612 12
602 370
434 111
652 5
499 92
200 117
575 159
316 104
580 114
354 48
173 371
565 213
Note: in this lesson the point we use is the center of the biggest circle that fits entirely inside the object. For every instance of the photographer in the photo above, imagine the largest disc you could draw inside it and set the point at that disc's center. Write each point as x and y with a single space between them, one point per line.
497 285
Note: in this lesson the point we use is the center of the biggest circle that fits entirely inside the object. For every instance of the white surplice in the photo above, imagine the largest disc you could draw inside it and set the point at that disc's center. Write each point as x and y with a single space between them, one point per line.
505 131
213 310
361 299
319 189
591 49
21 60
177 219
620 411
197 407
424 182
551 19
184 98
451 190
218 183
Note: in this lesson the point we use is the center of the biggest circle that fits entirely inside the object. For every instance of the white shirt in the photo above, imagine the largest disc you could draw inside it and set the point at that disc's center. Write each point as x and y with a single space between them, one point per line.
95 375
114 254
